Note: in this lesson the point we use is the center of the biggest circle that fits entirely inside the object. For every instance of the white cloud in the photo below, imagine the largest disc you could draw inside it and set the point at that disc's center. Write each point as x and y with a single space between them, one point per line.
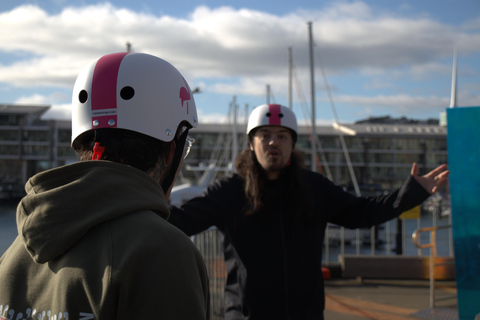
212 117
35 99
224 41
59 112
56 111
427 70
235 51
400 104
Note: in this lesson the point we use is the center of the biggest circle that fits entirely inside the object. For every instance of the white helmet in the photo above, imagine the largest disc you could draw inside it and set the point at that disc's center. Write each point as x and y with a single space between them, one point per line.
272 115
133 91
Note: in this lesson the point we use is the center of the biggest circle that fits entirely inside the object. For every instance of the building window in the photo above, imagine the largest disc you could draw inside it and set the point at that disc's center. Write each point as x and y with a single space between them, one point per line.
64 135
9 135
36 135
36 151
9 120
8 150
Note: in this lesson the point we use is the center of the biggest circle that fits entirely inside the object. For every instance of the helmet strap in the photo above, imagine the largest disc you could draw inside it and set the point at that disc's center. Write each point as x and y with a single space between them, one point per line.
177 157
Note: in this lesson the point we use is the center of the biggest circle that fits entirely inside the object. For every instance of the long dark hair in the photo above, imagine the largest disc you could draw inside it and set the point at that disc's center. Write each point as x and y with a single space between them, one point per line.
298 199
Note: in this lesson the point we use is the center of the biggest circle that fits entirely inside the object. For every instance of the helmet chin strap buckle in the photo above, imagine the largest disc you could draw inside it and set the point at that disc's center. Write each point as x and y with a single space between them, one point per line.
97 151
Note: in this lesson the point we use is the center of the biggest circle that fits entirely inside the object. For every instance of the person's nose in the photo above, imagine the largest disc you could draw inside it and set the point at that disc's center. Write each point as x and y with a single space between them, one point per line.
273 140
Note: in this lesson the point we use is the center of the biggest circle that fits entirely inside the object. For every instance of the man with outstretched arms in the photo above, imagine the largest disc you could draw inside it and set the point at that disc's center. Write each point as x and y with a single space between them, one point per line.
272 214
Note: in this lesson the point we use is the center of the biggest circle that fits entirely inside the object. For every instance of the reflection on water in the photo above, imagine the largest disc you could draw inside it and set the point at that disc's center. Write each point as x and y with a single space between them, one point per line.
8 225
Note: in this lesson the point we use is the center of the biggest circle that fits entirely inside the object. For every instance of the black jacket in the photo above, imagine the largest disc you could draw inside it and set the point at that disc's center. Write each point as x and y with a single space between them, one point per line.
274 261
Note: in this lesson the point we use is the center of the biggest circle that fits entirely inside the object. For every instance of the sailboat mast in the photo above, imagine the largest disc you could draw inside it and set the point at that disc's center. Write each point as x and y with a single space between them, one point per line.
453 95
235 131
312 89
268 94
290 66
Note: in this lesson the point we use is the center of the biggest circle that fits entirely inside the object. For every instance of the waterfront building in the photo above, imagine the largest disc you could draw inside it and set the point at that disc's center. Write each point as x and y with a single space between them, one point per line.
381 154
381 151
29 145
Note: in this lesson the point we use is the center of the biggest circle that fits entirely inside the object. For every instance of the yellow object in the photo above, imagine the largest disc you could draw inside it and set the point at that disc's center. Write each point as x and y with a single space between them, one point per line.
413 213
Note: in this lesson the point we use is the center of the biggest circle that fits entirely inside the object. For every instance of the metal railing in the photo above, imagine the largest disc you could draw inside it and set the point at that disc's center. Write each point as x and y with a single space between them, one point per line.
209 245
433 255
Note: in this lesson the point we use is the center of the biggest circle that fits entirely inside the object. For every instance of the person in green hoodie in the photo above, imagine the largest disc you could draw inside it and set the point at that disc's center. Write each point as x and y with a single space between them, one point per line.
93 238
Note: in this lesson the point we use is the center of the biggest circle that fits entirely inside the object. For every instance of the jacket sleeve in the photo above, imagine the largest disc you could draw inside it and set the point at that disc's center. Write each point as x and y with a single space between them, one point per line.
219 200
350 211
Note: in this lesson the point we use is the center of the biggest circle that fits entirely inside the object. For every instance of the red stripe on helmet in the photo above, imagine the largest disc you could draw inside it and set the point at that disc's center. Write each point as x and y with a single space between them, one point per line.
104 86
274 119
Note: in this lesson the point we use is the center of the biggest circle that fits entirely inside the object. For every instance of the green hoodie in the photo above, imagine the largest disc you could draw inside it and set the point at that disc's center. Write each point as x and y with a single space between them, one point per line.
94 243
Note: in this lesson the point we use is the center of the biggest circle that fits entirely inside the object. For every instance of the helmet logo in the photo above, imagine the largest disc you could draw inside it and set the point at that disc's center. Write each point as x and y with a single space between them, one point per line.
185 94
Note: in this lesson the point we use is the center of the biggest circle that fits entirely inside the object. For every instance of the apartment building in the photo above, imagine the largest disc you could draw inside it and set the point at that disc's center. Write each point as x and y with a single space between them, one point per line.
380 154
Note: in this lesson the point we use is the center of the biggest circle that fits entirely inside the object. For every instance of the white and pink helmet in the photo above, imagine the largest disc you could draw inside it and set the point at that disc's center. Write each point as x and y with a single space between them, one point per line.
132 91
272 115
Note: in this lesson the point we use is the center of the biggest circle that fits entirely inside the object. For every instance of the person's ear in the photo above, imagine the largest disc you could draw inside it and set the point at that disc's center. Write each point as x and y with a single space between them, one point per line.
251 146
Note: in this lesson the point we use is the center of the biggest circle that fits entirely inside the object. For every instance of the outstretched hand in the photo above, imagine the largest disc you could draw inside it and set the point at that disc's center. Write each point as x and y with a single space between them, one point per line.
432 180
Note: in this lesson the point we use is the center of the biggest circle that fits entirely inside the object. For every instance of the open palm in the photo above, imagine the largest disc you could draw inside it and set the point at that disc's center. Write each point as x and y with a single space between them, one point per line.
432 180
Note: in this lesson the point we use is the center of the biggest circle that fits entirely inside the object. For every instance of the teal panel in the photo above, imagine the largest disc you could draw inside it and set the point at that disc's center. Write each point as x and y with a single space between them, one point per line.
463 143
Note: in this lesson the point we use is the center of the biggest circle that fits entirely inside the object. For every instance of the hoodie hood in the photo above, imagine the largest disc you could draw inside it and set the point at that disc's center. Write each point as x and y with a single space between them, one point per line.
63 204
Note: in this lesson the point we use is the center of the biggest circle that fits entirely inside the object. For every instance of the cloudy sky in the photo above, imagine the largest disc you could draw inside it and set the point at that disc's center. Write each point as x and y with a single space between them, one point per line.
378 57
